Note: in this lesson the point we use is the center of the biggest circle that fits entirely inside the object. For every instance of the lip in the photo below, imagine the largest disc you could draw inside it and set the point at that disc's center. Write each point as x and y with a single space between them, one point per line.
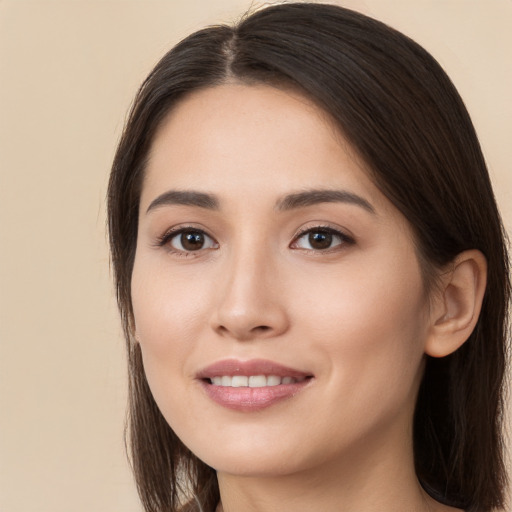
234 367
249 399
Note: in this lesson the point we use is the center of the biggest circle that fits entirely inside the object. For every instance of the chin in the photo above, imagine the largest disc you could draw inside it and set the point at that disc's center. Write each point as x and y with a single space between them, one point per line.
252 457
256 468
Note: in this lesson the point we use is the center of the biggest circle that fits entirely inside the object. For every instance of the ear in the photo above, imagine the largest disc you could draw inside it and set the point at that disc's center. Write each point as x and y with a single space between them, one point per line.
457 304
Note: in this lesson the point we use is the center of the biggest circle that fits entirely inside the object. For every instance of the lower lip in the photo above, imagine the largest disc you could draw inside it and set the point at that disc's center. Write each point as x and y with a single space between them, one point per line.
252 399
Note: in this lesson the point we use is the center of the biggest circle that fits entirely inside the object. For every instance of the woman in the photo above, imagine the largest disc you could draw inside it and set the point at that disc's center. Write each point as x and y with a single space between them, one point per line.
312 274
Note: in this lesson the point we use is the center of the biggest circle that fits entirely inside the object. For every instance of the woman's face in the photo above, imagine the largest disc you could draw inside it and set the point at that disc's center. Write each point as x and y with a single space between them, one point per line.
277 295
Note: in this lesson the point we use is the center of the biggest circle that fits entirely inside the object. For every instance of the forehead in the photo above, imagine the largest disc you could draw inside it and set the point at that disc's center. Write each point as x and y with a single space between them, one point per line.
254 140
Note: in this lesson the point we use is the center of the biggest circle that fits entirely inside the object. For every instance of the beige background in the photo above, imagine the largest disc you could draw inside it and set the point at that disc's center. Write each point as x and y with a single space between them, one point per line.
68 71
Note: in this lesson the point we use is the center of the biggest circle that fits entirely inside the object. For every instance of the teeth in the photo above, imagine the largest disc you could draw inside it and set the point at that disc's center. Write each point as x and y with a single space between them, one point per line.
257 381
253 381
240 381
273 380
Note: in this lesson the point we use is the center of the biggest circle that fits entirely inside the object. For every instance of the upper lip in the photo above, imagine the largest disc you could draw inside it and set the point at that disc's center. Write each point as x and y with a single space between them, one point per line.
233 367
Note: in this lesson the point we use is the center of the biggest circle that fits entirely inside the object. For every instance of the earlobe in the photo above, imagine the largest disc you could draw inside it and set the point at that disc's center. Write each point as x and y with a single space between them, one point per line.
457 304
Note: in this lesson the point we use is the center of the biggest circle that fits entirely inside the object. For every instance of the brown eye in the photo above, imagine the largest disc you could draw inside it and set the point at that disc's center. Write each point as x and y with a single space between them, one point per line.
191 240
321 239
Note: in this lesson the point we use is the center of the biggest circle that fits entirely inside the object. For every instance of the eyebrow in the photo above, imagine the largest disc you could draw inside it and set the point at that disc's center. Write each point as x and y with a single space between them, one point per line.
312 197
286 203
185 197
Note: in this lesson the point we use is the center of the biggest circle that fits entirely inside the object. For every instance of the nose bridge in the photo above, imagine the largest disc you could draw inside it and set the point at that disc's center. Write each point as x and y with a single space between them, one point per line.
249 277
249 303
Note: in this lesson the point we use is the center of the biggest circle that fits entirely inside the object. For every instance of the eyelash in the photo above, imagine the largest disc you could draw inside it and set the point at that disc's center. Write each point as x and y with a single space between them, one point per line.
166 239
325 229
168 236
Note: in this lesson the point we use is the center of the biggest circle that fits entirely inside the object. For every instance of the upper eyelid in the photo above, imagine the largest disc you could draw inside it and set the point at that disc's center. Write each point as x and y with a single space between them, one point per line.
325 227
180 228
346 239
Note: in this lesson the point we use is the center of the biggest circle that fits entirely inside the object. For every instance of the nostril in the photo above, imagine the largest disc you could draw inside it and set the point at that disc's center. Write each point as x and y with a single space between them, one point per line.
261 328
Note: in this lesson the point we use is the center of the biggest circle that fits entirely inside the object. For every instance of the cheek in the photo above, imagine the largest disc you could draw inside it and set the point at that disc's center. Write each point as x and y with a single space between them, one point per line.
363 299
168 306
371 327
169 313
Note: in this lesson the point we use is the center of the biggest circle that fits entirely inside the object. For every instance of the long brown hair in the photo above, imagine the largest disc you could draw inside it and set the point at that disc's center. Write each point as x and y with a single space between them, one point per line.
404 117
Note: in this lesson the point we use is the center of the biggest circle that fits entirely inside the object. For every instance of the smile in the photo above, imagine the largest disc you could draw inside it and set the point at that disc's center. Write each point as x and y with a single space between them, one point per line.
253 381
251 385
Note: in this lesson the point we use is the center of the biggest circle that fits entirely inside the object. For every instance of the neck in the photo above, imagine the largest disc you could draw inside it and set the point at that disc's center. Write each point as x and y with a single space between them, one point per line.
374 477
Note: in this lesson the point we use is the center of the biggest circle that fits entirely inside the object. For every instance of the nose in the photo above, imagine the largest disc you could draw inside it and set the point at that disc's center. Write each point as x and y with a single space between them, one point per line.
250 303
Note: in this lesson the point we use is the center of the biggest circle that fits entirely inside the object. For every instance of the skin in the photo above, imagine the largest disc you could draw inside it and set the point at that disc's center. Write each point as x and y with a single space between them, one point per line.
355 315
